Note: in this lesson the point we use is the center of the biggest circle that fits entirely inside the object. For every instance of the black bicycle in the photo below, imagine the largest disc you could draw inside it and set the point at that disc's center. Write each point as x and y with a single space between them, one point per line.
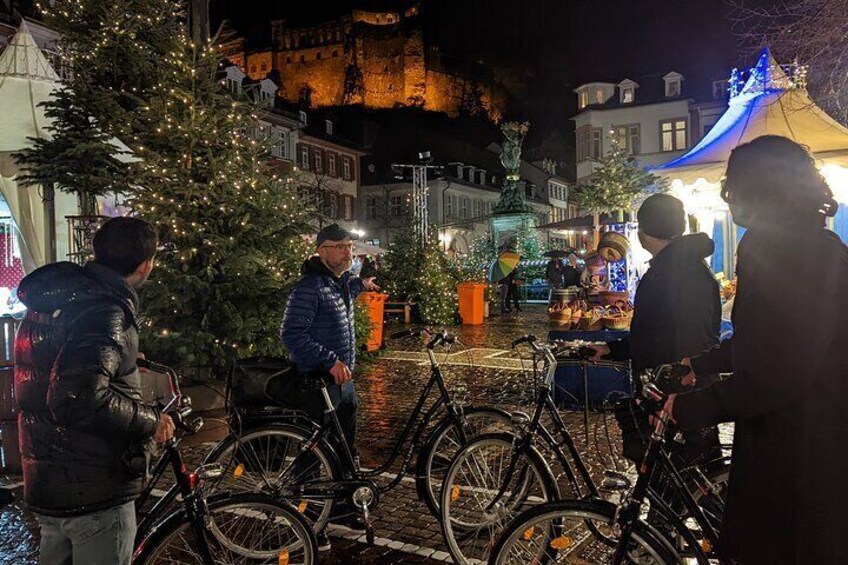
498 476
223 529
313 466
567 531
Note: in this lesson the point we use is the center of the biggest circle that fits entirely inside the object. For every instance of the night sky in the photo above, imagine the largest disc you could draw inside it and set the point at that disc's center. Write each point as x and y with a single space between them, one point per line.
554 44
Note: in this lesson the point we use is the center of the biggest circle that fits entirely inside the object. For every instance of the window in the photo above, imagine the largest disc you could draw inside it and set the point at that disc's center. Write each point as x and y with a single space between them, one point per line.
449 208
346 170
319 161
264 67
672 88
720 90
673 134
232 85
331 162
628 138
304 157
396 206
627 95
583 99
370 207
589 143
463 207
328 127
596 148
253 69
599 96
302 115
348 207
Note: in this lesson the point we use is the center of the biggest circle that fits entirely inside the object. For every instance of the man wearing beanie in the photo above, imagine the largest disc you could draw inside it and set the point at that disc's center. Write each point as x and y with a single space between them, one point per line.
677 309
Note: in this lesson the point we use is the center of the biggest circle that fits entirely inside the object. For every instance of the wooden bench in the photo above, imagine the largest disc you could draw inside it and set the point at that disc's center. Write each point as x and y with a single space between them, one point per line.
404 308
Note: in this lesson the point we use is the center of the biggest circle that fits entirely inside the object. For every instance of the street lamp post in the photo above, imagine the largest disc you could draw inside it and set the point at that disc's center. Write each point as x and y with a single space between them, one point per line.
420 193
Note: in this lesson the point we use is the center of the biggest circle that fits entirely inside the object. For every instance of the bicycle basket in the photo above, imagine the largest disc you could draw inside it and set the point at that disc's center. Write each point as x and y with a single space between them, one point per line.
635 429
263 381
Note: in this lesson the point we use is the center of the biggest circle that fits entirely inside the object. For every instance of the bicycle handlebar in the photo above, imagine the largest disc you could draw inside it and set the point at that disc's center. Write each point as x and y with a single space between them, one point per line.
179 407
442 337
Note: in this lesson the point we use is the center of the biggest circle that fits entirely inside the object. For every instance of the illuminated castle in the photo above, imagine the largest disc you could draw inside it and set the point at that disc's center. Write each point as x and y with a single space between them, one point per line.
378 59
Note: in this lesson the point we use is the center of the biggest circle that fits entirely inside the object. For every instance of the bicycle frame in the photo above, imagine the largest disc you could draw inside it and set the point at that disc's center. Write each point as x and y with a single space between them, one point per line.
657 457
328 489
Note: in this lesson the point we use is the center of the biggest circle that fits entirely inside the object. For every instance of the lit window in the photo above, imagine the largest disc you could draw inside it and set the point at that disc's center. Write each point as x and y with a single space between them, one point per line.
599 96
672 88
673 134
627 95
584 99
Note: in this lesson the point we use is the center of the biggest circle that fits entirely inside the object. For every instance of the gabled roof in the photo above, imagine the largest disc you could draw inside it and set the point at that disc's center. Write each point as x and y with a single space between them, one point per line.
770 103
26 80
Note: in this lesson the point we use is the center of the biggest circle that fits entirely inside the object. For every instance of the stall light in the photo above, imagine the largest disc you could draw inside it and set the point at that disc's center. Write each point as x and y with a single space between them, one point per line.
837 178
359 233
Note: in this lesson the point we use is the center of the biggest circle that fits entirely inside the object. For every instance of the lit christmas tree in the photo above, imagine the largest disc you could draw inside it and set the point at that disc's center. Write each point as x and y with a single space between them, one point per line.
231 232
617 182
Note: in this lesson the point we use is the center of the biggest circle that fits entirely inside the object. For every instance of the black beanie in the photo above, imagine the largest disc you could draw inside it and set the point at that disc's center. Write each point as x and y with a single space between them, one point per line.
662 216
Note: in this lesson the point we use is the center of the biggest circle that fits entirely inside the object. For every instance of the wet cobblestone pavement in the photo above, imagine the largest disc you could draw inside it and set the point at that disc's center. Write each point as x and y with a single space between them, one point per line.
487 373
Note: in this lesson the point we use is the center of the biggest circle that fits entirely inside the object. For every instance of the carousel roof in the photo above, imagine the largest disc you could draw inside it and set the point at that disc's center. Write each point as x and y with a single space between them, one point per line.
773 101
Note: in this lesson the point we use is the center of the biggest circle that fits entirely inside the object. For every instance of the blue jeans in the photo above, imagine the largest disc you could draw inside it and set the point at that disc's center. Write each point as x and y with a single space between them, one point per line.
105 537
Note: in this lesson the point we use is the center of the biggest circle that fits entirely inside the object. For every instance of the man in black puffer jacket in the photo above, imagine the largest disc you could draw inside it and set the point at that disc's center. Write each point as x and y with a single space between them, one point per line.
79 392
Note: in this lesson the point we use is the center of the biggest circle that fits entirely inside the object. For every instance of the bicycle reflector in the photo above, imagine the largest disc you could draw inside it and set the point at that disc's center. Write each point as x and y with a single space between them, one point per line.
562 542
302 507
283 557
455 493
238 471
528 533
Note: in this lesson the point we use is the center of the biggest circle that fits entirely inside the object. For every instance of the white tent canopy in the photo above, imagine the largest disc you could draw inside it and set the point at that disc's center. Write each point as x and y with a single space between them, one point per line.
26 80
773 101
770 103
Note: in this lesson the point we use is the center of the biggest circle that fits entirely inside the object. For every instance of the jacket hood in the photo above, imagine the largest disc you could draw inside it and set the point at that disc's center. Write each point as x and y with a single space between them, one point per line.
58 285
692 247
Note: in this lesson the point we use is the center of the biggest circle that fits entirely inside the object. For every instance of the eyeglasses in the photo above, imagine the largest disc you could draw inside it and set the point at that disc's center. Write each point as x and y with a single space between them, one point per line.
342 247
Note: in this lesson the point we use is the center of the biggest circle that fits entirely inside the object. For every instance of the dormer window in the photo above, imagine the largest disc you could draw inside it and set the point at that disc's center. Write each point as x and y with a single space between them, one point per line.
328 127
584 99
627 91
673 84
302 116
599 96
720 89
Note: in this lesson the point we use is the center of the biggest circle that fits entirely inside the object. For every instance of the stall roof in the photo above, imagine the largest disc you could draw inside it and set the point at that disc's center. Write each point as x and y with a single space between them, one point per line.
770 103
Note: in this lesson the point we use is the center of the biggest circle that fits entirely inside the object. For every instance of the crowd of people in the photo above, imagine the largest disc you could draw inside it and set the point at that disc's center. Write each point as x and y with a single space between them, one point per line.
82 416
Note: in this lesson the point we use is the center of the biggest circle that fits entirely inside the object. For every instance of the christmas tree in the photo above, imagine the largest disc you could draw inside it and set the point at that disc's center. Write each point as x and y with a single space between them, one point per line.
617 182
231 231
110 52
421 273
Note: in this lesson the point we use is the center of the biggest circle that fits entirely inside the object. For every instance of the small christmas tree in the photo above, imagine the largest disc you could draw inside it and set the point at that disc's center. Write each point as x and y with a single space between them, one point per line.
617 182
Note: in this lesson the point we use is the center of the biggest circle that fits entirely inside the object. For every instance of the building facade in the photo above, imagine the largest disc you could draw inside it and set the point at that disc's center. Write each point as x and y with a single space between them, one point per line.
656 119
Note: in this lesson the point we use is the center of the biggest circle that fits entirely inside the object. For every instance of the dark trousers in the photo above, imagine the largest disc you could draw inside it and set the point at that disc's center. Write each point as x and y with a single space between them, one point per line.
509 293
344 400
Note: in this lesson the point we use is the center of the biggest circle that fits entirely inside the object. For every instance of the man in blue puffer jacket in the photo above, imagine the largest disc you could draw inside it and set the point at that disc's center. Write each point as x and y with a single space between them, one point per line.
318 327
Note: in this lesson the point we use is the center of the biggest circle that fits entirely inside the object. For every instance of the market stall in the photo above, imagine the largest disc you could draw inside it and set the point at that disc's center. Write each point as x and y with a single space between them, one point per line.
771 100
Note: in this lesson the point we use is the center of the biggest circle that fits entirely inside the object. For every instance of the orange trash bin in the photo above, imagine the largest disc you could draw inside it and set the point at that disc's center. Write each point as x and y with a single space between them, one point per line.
471 302
376 302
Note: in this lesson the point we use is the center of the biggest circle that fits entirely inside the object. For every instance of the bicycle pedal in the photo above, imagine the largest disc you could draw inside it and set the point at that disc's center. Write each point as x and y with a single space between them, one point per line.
616 481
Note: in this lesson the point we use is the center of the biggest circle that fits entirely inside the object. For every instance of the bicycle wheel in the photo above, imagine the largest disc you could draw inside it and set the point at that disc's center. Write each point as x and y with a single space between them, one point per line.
255 461
561 532
244 528
472 514
435 457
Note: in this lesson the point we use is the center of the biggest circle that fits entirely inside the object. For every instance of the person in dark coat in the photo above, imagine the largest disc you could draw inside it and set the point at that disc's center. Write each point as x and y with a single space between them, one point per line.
677 308
786 497
79 393
509 293
554 273
570 272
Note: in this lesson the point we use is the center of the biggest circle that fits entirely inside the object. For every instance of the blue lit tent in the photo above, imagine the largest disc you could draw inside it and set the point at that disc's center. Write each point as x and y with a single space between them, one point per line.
772 101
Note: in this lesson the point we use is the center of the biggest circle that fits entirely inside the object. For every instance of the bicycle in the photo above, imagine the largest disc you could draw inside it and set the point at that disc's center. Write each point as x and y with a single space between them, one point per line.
226 528
566 531
497 476
293 458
